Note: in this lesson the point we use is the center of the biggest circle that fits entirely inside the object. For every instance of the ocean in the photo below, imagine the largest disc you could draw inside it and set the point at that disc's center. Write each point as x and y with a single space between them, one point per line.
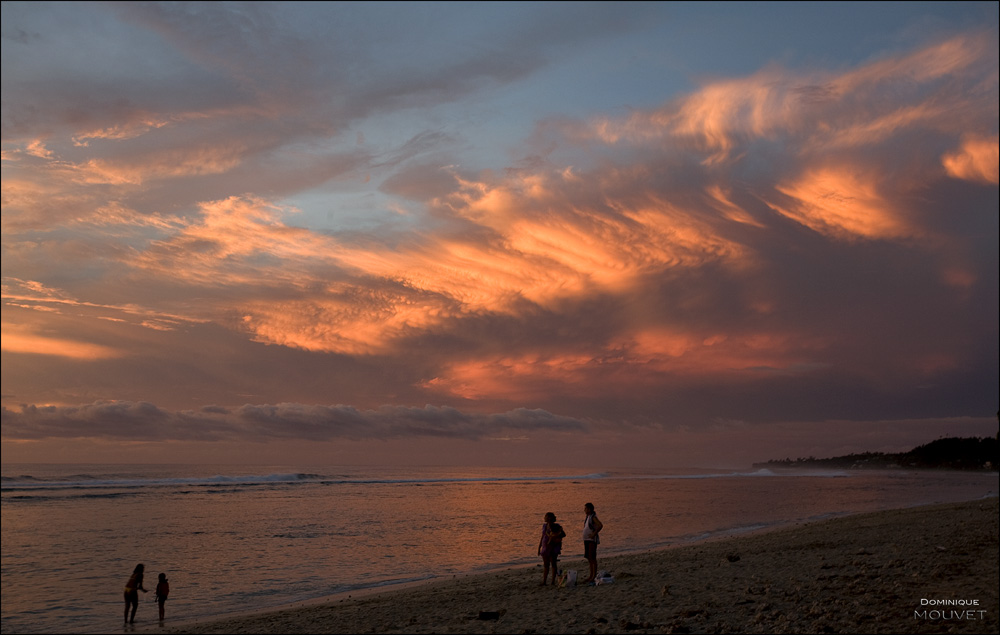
239 538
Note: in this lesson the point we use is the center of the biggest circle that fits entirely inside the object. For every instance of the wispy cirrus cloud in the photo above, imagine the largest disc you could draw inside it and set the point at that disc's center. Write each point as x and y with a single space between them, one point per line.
746 245
545 238
937 88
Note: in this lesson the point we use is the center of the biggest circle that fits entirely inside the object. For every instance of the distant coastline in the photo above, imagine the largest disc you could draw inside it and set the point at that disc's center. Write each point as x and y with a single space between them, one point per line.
952 453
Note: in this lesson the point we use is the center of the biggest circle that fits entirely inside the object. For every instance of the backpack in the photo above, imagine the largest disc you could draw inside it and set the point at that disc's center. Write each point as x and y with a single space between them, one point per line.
557 534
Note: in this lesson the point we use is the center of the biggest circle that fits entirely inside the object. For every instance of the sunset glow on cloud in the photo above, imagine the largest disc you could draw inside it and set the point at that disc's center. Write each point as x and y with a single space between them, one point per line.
841 203
16 341
976 160
341 242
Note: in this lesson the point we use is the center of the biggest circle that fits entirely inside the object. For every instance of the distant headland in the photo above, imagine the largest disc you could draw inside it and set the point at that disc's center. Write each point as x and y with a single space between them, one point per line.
952 453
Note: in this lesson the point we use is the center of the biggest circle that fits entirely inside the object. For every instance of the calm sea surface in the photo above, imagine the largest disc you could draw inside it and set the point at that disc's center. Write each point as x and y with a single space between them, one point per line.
232 539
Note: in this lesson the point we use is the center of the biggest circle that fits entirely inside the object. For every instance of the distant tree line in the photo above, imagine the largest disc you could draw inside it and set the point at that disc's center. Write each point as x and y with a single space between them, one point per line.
952 453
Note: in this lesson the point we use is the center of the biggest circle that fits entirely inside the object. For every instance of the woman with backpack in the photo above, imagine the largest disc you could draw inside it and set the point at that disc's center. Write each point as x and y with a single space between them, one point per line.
549 547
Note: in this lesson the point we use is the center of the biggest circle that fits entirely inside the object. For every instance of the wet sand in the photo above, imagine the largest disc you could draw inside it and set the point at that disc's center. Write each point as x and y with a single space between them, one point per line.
869 573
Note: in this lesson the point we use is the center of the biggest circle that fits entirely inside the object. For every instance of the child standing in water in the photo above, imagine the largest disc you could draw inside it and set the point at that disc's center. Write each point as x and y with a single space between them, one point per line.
162 591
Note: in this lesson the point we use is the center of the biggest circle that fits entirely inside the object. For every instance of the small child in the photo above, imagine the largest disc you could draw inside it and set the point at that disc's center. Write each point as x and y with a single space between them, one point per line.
162 591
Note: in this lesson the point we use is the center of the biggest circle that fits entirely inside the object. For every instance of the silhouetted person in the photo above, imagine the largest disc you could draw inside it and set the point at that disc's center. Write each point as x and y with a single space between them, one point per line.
591 538
550 545
162 591
132 588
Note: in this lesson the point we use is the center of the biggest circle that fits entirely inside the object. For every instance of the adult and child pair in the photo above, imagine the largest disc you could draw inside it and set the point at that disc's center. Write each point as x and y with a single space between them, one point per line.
134 585
550 544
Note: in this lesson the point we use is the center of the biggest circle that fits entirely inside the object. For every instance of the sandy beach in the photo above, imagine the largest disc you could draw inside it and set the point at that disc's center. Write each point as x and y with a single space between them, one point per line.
920 570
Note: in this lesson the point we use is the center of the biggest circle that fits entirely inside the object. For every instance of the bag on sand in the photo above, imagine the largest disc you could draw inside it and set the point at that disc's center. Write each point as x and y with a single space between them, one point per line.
568 578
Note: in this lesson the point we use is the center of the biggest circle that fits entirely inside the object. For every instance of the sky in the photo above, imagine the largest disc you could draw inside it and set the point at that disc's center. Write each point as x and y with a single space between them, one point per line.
528 234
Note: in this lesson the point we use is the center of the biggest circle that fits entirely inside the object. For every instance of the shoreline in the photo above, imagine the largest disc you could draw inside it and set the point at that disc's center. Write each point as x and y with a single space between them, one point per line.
179 625
865 573
387 588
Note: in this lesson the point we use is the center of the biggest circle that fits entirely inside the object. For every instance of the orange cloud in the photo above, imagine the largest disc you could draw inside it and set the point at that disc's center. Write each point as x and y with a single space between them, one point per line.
977 160
524 377
233 241
356 324
669 351
841 202
714 119
642 358
58 192
719 197
128 130
29 294
605 244
138 123
941 60
163 165
37 148
361 297
19 339
817 112
872 128
28 203
552 236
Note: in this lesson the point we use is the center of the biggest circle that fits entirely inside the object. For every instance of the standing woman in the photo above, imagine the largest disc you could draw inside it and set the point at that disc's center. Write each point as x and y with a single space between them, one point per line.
132 588
549 547
591 538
